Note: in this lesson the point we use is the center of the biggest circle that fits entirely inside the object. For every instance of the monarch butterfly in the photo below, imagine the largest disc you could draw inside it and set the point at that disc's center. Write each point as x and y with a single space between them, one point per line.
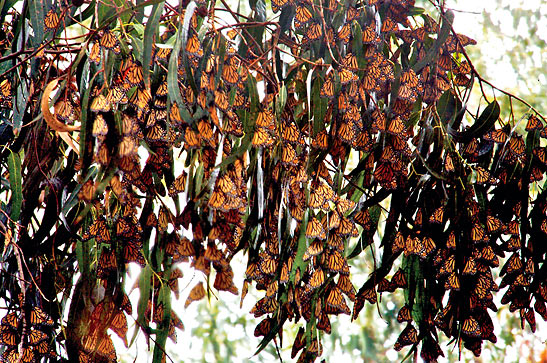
302 16
313 250
264 327
399 280
119 325
186 248
314 32
265 119
5 89
299 342
512 228
191 138
483 176
369 80
163 219
471 327
346 132
456 43
369 295
178 185
100 104
95 53
335 262
51 20
227 185
262 138
106 264
489 256
534 123
317 278
347 228
389 25
324 323
229 74
516 146
513 264
132 72
344 33
362 217
477 233
493 224
279 4
132 252
407 337
224 281
453 282
437 215
162 53
399 243
290 133
347 76
39 317
470 267
213 254
36 336
206 132
268 264
327 90
141 99
109 41
128 146
385 285
8 336
11 320
451 241
427 247
123 228
197 293
404 315
193 45
385 175
315 229
336 242
363 142
288 155
352 14
336 300
448 266
397 127
333 221
263 306
379 121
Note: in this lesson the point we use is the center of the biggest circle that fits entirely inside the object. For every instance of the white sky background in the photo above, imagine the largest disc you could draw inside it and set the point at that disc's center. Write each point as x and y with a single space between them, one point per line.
230 317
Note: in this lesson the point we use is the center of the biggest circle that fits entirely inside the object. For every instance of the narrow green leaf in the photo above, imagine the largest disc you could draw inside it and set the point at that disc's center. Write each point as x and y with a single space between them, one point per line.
163 327
36 12
484 123
149 35
15 180
145 286
83 114
299 263
20 105
319 107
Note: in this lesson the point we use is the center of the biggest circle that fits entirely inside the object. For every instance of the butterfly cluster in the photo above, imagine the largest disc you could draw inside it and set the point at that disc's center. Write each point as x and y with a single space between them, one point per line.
34 332
298 147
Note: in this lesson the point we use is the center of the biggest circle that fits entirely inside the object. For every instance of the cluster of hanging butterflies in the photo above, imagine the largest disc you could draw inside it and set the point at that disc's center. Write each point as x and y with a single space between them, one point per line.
34 333
267 173
304 272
